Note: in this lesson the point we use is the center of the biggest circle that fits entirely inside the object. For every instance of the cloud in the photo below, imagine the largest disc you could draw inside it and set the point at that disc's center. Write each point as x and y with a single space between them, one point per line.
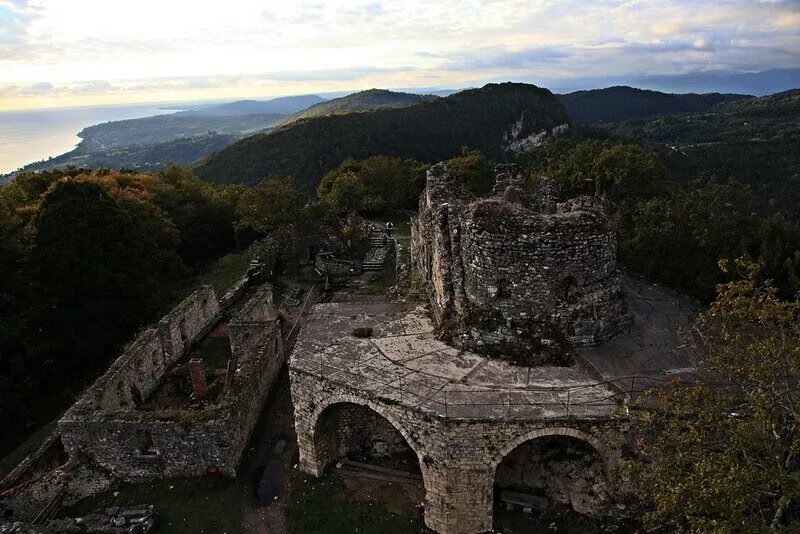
207 48
499 58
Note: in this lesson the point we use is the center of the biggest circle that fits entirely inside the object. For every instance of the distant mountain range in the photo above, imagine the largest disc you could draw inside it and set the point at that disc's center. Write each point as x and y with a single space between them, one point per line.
280 106
616 104
751 83
497 119
185 137
191 135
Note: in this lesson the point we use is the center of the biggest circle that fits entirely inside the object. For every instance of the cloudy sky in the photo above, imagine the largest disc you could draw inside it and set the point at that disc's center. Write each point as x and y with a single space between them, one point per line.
81 52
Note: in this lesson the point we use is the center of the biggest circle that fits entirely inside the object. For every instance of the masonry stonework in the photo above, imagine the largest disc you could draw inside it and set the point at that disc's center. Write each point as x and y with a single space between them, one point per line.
514 271
458 458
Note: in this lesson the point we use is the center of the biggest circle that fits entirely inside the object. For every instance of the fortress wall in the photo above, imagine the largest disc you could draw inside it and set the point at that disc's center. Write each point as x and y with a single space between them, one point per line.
137 445
548 268
255 374
248 328
188 322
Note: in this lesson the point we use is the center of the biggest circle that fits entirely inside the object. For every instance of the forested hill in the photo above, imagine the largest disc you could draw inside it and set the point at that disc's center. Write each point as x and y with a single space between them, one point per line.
368 100
622 103
755 142
494 119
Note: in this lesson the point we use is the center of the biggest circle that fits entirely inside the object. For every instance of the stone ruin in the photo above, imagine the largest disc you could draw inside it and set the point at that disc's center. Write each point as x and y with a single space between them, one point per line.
182 400
516 273
429 387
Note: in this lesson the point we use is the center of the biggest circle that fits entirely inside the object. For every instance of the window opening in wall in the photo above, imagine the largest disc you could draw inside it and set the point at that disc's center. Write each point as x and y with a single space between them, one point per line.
204 307
122 395
139 366
184 337
568 286
145 443
502 288
156 358
136 395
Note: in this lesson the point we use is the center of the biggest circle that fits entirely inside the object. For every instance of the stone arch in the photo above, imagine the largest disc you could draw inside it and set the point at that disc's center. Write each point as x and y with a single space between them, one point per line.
596 444
351 399
579 493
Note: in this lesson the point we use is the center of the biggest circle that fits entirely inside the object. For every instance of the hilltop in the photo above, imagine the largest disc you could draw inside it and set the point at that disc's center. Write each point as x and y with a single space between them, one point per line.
621 103
496 119
368 100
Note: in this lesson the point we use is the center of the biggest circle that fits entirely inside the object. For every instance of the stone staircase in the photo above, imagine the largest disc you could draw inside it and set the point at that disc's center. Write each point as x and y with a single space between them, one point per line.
380 246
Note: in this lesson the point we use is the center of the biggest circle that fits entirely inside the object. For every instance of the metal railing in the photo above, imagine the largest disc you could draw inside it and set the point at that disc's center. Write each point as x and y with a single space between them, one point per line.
445 401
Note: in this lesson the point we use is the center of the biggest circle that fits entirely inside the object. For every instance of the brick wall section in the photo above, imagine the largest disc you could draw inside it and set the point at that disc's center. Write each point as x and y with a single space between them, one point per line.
544 265
458 458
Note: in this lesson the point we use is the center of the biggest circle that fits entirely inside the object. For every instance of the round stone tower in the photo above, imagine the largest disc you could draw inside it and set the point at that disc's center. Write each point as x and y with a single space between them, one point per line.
516 273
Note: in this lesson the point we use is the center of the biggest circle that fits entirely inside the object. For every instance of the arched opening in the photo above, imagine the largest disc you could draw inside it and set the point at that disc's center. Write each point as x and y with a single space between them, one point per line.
547 477
371 456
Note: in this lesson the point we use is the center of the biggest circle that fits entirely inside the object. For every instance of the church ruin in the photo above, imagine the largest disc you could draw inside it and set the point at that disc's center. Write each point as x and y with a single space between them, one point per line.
528 348
515 272
182 400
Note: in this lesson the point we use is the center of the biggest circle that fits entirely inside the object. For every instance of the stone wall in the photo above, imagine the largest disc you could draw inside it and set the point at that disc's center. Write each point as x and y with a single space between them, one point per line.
515 269
67 484
458 457
189 321
138 445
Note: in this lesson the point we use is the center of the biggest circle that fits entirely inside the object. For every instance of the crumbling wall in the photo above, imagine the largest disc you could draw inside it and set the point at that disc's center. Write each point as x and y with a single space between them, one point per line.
516 271
139 445
188 321
66 484
250 326
134 375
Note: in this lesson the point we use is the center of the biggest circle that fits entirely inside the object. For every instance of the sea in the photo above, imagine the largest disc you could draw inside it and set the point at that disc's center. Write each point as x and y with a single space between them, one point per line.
29 136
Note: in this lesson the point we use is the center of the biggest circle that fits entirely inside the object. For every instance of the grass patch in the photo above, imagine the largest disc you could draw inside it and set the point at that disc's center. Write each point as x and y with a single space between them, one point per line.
211 505
320 506
225 271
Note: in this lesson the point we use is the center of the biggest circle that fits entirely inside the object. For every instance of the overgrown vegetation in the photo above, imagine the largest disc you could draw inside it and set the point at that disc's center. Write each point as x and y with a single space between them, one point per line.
429 132
721 455
90 256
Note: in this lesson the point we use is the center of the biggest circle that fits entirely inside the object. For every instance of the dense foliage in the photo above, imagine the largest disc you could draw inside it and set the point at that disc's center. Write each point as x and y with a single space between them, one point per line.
376 183
429 132
754 142
721 455
86 258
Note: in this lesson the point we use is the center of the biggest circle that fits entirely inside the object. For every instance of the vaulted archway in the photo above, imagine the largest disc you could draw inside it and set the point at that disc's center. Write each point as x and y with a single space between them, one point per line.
551 468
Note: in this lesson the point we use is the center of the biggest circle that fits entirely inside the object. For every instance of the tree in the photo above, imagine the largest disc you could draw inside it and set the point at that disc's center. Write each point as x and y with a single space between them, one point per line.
473 170
620 172
94 266
721 455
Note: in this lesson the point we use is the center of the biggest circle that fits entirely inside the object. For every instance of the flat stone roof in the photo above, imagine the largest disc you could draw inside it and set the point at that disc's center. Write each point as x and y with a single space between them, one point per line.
403 362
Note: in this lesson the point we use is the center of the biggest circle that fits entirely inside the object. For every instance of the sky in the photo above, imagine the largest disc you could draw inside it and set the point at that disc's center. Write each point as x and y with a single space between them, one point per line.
58 53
